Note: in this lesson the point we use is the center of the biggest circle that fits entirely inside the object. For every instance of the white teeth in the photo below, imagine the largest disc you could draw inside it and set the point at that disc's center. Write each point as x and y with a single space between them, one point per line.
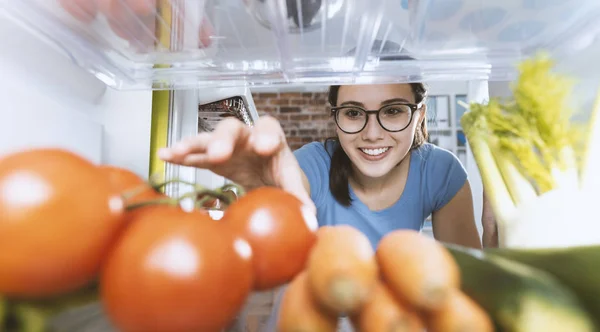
374 152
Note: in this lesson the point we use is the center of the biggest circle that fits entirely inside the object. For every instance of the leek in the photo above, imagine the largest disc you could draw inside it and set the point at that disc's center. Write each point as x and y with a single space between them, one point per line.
530 154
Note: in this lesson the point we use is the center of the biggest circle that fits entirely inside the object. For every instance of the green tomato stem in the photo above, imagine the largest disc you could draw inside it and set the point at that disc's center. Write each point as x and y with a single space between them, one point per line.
164 201
239 190
129 194
162 184
198 193
217 193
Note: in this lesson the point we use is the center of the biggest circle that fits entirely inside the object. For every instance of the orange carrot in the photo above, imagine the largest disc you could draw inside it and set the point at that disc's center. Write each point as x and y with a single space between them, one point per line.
299 311
342 269
460 314
417 269
384 313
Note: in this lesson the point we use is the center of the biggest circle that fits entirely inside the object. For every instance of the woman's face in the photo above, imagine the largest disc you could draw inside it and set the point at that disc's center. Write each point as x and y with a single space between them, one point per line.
375 151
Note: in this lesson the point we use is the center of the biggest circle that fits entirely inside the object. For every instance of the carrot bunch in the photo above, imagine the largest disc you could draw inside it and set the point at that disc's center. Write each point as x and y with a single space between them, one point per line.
409 283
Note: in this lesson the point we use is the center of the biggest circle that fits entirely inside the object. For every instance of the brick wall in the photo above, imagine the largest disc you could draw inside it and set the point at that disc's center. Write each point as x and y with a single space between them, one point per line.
304 116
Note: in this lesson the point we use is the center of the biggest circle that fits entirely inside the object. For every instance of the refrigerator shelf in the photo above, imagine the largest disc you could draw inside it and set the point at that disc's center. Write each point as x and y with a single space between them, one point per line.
172 44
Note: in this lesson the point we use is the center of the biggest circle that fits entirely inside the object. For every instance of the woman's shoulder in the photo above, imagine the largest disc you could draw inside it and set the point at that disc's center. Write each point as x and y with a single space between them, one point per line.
314 158
312 149
316 149
315 162
442 174
436 156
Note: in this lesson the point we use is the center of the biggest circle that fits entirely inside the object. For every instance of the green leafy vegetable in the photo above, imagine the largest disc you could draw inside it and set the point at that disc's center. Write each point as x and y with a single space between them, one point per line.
527 145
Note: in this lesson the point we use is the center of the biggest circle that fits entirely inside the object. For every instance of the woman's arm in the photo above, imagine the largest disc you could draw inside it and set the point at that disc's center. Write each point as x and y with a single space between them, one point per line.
490 228
455 222
250 156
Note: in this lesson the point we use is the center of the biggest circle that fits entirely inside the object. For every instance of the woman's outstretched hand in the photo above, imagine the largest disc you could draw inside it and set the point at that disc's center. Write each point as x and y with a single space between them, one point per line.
249 156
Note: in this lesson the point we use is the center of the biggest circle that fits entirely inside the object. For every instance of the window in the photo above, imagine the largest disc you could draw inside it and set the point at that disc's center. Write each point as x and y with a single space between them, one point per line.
460 109
438 112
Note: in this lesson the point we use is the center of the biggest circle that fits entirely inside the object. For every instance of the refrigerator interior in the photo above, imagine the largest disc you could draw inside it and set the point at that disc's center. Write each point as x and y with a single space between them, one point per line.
50 101
190 52
88 84
164 44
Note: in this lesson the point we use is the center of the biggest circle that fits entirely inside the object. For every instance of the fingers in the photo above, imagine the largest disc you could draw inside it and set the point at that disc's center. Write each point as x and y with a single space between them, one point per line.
267 136
265 139
198 160
296 188
268 139
229 134
188 147
290 178
206 149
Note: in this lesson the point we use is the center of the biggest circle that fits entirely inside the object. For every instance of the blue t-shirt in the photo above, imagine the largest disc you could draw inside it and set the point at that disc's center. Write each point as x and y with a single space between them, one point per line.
435 175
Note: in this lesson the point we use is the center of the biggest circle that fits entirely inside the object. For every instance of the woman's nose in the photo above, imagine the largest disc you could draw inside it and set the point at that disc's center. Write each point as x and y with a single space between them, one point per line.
373 131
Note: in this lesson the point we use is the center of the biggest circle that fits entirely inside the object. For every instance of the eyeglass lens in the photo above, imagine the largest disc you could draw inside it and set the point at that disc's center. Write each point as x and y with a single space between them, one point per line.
392 117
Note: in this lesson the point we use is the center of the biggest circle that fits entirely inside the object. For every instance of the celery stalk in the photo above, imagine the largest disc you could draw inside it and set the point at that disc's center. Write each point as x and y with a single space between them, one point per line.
476 131
526 150
519 187
493 181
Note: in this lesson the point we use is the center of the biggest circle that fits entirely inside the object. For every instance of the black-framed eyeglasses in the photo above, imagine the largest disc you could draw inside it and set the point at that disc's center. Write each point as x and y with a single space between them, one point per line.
392 117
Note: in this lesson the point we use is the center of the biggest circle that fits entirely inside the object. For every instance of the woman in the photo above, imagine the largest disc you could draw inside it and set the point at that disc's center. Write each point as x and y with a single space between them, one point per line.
378 175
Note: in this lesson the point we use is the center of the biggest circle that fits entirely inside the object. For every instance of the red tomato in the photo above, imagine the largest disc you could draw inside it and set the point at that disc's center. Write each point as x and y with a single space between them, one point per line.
279 231
57 222
119 8
141 7
132 20
83 10
125 16
206 32
176 271
124 181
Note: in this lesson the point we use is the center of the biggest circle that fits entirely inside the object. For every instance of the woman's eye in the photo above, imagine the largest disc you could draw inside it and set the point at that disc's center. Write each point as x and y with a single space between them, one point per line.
353 113
396 110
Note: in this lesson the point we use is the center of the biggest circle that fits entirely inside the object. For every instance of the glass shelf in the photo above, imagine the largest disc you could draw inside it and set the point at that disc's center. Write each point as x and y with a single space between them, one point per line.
165 44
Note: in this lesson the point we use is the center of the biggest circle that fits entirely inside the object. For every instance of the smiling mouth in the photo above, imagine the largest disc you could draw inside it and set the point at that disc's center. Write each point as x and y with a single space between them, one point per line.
375 152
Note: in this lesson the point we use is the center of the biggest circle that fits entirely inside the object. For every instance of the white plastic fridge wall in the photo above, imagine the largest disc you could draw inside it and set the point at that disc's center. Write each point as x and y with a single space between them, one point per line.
262 42
47 101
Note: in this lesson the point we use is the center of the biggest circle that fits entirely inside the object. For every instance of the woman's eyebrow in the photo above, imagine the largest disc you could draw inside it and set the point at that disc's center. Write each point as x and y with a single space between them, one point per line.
352 103
394 100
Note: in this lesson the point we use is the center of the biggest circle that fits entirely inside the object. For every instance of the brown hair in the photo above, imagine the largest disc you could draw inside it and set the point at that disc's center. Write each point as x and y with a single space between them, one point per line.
341 166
